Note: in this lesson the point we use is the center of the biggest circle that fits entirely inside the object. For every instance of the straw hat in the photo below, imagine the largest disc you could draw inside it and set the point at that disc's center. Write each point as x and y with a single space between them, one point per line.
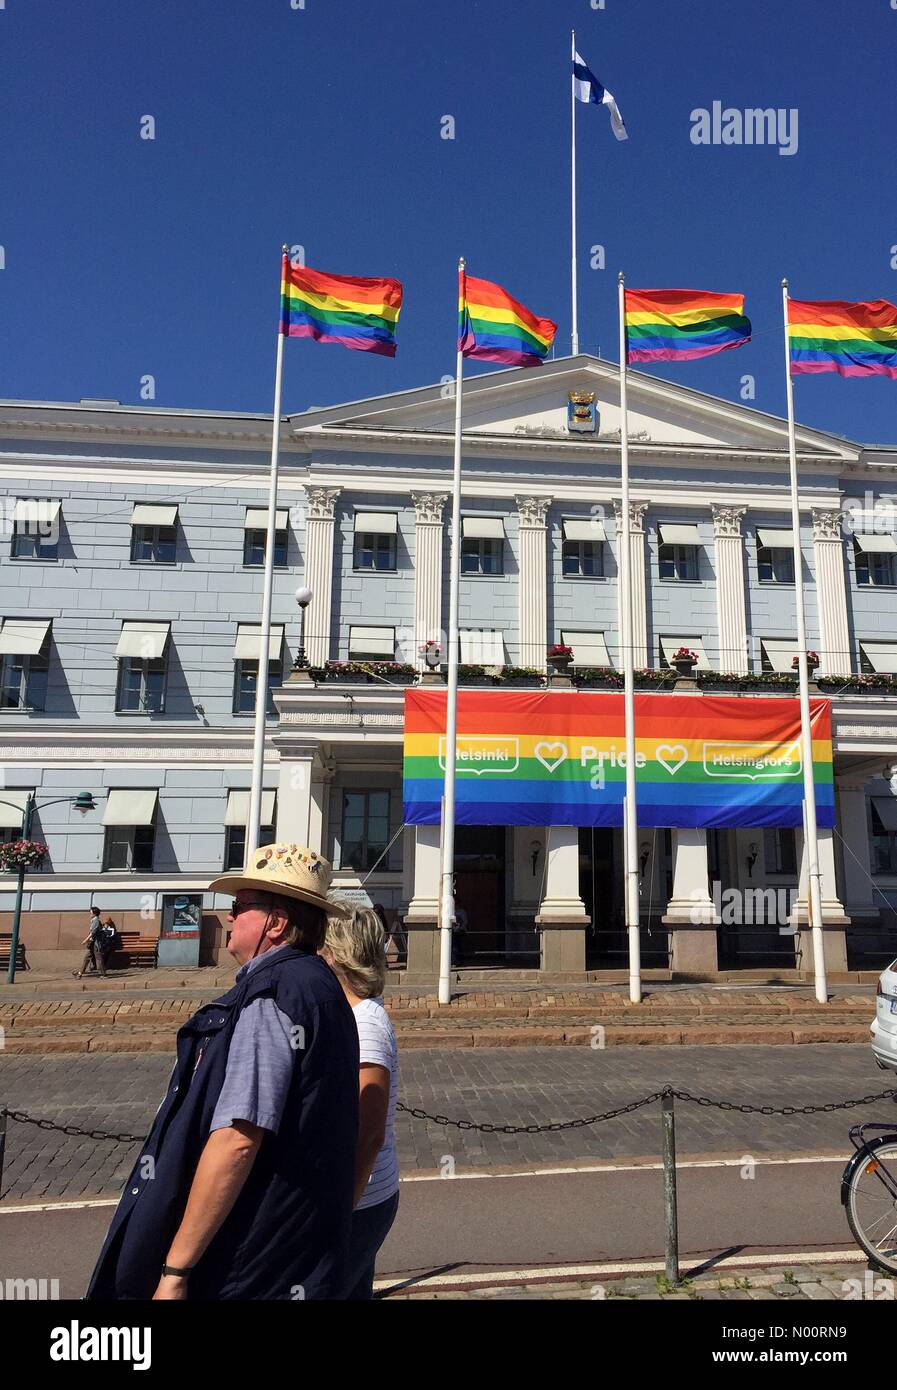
291 871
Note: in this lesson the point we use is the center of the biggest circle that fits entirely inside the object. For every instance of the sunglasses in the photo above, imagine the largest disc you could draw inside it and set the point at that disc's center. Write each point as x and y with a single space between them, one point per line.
236 908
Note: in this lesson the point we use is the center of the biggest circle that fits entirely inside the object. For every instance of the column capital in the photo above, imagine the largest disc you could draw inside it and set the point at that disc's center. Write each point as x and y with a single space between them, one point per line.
727 520
827 523
321 502
533 510
428 507
636 514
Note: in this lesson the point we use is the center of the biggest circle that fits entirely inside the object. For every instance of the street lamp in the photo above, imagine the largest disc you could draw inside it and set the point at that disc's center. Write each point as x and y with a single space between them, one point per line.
83 802
303 598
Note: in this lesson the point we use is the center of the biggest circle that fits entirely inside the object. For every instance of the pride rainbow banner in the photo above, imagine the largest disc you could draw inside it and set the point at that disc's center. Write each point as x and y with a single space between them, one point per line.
834 335
355 312
675 325
553 758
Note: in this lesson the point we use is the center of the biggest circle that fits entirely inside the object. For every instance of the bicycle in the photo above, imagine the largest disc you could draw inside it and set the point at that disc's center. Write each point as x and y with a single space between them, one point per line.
869 1193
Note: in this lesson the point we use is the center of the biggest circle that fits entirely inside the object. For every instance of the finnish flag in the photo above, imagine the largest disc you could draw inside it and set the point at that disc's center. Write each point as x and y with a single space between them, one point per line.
587 88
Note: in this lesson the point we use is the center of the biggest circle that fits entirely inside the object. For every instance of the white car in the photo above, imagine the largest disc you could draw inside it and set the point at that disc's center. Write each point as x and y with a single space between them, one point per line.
884 1025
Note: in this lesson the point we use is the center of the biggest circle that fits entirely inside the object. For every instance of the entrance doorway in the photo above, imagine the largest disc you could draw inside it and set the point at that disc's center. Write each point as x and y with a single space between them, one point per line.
601 889
480 892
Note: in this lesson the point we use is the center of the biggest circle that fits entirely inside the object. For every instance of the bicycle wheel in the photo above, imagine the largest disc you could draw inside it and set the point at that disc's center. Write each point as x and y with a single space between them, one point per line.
870 1200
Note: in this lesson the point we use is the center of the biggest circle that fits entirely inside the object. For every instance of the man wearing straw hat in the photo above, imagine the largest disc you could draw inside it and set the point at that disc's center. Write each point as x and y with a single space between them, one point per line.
243 1188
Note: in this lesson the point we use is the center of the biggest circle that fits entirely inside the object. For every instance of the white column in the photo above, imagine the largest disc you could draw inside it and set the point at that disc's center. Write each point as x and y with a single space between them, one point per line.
730 604
691 903
561 901
835 654
428 572
832 908
319 570
853 823
532 581
321 781
424 905
637 576
296 814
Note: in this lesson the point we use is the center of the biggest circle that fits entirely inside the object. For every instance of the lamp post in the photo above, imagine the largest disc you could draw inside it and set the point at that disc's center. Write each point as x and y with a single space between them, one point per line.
83 802
303 598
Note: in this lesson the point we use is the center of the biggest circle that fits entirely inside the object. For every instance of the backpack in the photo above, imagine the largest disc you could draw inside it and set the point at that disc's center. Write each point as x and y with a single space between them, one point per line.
111 939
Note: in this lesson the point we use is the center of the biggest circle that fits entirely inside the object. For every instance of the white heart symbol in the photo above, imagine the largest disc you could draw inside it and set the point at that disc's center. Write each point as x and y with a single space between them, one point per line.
666 756
551 755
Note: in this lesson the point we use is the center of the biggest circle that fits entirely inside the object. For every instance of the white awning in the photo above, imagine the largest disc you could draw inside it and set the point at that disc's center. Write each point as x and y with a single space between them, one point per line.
482 528
377 523
589 648
40 512
11 816
23 637
257 519
779 651
131 807
249 640
669 645
592 530
886 806
774 538
145 641
482 648
678 533
237 812
153 514
377 642
870 542
882 656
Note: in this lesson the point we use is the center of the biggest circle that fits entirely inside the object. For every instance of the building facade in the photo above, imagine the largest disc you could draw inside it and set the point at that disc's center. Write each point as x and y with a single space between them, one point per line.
130 587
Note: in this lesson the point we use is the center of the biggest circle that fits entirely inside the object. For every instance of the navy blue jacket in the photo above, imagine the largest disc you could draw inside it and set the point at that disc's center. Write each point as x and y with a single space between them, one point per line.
288 1232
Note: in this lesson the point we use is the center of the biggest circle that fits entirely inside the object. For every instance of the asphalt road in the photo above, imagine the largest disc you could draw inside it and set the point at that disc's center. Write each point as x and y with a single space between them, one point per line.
501 1221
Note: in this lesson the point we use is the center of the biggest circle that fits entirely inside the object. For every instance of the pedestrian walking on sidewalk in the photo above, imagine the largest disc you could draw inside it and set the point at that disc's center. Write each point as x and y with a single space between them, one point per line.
244 1186
94 962
356 949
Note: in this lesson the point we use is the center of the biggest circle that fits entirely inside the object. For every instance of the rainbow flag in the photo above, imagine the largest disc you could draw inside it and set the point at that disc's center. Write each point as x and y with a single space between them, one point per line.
671 325
497 328
552 758
344 309
833 335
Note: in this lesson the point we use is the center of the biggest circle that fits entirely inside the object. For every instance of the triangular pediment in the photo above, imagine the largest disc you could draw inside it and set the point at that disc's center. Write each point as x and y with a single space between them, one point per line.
532 403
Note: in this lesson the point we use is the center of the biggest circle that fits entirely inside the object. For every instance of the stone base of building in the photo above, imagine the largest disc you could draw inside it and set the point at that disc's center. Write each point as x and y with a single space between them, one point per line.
693 950
562 946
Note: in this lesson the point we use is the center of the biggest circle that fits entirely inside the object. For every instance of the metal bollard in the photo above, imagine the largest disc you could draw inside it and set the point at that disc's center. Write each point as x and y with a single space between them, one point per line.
668 1121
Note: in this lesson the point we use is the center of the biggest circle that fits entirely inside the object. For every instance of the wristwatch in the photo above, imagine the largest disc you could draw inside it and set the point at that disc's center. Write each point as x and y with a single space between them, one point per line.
176 1273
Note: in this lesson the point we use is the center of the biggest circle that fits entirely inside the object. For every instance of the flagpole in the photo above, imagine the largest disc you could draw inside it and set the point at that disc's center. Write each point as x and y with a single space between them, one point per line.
814 884
447 871
261 692
575 333
624 548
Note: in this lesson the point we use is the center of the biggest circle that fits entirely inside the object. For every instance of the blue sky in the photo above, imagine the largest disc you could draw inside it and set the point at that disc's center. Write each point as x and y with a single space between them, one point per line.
321 126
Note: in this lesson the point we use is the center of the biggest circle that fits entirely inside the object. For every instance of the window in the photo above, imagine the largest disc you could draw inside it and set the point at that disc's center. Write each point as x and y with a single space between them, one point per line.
482 545
874 557
670 645
35 529
372 644
129 847
142 654
878 656
375 546
235 818
24 663
12 814
583 549
678 550
884 835
153 534
256 533
365 828
776 653
246 677
589 648
775 555
482 647
780 850
129 823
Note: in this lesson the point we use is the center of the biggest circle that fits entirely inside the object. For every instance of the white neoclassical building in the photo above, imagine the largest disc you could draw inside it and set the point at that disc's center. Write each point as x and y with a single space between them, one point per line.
127 654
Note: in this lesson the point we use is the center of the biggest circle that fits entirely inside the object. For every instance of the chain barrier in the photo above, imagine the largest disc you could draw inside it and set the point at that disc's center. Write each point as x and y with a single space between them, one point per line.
555 1127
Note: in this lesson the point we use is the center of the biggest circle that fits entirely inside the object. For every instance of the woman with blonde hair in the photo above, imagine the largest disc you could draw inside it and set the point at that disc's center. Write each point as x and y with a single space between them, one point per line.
355 949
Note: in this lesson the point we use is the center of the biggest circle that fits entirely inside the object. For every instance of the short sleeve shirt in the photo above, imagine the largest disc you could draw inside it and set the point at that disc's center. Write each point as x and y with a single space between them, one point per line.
260 1064
377 1046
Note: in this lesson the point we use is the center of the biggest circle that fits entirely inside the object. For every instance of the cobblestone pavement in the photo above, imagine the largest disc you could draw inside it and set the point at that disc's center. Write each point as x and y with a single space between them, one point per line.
531 1086
795 1285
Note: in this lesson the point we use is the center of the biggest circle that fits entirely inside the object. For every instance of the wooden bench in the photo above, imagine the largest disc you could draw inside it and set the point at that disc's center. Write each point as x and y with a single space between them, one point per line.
135 950
5 948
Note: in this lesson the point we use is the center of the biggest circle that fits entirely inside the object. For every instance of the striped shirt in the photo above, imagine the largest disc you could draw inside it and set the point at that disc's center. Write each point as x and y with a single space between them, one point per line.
377 1046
